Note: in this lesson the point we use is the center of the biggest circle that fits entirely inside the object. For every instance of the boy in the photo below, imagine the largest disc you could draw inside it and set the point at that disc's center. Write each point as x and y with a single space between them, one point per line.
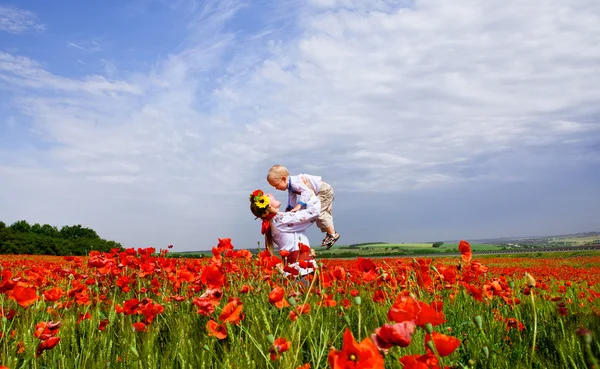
299 193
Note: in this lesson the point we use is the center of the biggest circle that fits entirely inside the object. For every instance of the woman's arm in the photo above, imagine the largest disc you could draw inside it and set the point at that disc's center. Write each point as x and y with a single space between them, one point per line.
299 220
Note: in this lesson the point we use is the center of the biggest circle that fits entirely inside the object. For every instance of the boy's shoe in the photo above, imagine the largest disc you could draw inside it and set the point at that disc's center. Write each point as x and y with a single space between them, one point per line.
330 240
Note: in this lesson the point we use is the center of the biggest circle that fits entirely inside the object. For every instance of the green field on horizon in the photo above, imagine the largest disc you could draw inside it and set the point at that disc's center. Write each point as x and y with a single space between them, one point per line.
573 241
412 247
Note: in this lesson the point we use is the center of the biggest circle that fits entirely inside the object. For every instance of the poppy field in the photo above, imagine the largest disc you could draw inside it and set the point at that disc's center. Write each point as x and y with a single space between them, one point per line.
138 308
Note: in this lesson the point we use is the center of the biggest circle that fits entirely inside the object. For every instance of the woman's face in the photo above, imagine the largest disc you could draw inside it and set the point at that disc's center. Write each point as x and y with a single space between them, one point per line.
273 202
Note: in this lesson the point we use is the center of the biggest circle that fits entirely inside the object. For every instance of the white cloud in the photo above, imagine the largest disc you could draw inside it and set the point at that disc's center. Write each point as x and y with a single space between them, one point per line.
89 46
24 73
74 45
382 96
15 20
433 84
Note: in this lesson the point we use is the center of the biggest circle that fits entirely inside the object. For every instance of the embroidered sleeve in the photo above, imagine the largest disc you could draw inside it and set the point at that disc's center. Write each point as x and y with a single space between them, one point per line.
305 193
299 220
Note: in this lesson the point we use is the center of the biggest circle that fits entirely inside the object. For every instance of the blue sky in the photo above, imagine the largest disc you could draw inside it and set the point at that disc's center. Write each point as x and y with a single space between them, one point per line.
151 121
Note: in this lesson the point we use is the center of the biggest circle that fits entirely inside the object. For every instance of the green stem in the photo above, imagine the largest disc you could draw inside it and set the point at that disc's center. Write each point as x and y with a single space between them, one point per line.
359 322
534 328
257 345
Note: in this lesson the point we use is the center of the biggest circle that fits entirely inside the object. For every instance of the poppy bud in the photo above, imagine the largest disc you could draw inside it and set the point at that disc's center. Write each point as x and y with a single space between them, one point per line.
346 319
478 320
511 284
429 328
271 338
292 301
431 345
530 280
357 300
486 351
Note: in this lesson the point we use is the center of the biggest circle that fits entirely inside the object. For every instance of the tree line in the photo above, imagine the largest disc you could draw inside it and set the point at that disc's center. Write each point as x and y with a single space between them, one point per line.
24 238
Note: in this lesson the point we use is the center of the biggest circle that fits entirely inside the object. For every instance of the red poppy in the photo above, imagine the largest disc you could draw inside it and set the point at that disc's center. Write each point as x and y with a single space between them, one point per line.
465 251
514 323
150 310
280 345
399 334
225 244
45 330
131 306
363 355
231 312
304 249
426 361
48 344
7 283
276 297
245 289
408 308
53 294
379 296
365 265
216 330
206 306
8 315
339 273
328 300
24 296
445 345
300 309
103 324
82 317
213 276
139 326
303 309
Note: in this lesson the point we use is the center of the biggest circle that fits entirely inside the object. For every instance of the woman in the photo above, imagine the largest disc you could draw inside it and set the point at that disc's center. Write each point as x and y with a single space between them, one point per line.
286 229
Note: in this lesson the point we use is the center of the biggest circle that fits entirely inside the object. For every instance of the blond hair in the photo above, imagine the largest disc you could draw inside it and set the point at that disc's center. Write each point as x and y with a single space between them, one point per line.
276 173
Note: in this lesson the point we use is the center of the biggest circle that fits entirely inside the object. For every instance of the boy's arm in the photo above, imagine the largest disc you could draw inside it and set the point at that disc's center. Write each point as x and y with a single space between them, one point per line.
305 192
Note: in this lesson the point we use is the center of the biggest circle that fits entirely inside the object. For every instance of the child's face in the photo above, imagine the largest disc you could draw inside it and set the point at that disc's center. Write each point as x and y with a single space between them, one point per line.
280 184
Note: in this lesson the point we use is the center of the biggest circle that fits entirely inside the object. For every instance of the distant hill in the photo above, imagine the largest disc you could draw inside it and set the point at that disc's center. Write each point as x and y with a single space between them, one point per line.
590 236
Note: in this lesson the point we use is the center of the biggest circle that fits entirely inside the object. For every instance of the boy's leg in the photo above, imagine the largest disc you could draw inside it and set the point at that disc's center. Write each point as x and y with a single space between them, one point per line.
325 219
